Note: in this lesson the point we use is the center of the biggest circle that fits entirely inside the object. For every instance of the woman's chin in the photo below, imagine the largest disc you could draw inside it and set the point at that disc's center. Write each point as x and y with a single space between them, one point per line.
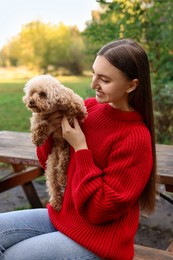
100 99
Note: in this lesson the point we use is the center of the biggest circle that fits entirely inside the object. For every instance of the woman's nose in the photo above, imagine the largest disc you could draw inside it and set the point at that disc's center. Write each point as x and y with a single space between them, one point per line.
94 82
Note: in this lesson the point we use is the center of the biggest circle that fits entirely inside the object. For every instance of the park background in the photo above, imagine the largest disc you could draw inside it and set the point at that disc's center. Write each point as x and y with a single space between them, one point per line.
62 38
67 52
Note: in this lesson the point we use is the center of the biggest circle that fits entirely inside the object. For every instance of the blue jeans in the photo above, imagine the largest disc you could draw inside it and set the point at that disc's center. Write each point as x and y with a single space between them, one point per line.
29 235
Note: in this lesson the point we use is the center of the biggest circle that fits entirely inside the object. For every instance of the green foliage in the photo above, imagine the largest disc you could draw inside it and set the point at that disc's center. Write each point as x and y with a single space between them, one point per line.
159 38
163 100
45 46
117 19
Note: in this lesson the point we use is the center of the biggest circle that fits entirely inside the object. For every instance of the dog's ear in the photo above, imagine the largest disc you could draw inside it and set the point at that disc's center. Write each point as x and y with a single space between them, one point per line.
64 98
69 102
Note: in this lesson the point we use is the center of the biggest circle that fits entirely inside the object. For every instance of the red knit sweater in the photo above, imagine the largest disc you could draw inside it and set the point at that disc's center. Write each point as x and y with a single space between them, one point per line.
101 202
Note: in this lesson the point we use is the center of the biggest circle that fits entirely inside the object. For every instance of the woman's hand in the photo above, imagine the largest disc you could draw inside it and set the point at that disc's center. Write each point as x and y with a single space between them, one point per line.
74 135
54 121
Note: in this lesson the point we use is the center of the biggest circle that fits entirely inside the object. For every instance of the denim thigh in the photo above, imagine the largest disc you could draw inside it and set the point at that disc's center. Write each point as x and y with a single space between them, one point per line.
29 234
16 226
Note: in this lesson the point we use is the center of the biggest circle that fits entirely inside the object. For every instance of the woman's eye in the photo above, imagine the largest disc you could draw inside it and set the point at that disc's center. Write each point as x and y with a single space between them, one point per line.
104 80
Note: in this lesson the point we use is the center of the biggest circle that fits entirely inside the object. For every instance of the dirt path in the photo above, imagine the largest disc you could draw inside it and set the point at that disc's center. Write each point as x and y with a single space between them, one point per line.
154 231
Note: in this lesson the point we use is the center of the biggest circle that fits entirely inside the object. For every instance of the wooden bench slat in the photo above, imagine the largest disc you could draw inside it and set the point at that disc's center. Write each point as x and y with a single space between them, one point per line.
20 178
148 253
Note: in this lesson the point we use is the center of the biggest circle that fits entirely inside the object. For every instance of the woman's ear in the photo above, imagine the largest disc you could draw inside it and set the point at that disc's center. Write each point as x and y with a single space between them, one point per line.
133 85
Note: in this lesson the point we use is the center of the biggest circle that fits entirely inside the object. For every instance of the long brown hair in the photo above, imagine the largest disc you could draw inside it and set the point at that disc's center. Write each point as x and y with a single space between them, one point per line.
129 57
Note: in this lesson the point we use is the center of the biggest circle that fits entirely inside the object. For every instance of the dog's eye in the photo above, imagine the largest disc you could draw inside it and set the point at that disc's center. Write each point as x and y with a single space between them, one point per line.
42 94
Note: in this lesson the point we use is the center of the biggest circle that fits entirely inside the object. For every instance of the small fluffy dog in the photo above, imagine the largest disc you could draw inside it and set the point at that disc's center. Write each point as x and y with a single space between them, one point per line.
44 95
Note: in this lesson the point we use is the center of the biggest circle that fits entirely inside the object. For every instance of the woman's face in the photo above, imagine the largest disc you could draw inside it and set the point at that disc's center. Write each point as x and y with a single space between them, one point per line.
111 85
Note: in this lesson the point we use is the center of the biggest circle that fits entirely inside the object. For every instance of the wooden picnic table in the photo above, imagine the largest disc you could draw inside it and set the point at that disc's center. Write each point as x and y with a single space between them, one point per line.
17 150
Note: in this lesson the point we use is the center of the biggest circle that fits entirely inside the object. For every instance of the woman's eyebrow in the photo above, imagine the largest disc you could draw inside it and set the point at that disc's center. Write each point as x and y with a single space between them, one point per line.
102 75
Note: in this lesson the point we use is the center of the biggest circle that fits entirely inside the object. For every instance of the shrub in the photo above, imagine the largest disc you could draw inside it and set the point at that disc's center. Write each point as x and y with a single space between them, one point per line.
163 105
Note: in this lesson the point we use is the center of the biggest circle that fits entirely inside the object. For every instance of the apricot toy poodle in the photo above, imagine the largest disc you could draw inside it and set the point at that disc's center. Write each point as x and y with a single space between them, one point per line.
44 95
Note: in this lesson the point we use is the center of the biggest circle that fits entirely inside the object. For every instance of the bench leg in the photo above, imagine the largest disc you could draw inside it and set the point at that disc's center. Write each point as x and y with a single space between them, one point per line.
32 195
170 248
29 189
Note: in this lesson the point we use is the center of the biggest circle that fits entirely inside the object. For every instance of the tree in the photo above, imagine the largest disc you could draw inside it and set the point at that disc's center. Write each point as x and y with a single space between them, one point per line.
159 38
42 46
148 22
64 48
117 19
9 54
32 41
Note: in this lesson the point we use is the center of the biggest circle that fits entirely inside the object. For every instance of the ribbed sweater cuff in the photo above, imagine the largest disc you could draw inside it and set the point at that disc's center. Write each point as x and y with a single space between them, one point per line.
84 157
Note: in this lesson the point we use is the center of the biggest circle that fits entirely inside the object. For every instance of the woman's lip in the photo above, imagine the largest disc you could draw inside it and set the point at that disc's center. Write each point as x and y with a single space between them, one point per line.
99 94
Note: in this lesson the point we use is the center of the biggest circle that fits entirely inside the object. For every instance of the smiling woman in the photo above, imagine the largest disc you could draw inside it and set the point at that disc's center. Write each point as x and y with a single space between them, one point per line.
111 174
111 85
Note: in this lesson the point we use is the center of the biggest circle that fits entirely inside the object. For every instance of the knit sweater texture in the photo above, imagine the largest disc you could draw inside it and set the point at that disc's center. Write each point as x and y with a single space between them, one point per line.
100 208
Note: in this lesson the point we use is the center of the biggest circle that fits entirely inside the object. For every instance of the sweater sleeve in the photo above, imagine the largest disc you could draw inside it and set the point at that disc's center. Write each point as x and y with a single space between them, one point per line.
43 151
104 195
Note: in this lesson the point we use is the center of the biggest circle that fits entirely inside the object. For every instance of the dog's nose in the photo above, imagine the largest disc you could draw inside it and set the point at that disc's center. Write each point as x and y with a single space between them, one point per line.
31 103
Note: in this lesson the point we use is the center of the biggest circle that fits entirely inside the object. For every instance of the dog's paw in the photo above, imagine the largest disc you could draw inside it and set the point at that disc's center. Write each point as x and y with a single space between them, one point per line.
39 140
39 134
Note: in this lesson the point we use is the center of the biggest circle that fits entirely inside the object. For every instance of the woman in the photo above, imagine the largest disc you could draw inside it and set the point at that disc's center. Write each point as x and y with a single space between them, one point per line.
111 173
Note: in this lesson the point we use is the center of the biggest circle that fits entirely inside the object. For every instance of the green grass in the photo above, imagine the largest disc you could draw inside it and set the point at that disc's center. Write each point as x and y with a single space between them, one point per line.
15 116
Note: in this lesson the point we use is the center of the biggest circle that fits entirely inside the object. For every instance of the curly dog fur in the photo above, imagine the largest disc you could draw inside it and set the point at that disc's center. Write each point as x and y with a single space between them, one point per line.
44 95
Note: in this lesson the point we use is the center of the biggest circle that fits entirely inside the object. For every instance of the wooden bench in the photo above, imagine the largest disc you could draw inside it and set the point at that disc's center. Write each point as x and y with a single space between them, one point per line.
148 253
17 150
